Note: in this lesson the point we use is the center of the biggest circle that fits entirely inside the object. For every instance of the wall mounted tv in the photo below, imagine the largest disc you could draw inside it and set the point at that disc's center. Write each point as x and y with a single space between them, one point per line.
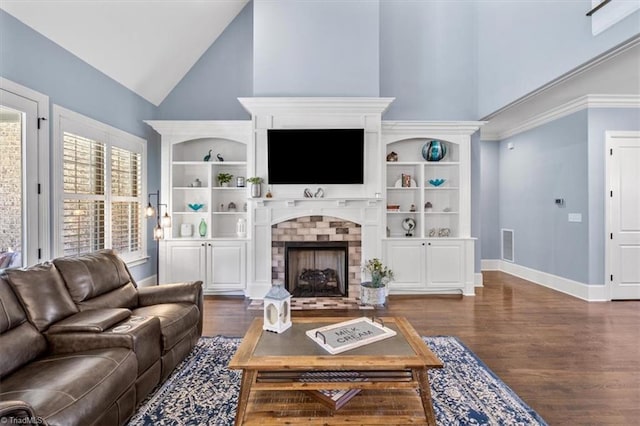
315 156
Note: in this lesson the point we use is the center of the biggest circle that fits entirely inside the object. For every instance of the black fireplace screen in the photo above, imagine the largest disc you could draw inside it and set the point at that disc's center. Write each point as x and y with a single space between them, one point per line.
316 269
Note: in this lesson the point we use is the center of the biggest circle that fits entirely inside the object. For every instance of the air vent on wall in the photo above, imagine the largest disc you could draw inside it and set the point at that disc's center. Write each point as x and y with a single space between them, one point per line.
507 245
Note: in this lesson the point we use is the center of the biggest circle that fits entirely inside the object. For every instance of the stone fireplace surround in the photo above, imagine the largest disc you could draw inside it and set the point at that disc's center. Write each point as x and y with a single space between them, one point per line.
318 229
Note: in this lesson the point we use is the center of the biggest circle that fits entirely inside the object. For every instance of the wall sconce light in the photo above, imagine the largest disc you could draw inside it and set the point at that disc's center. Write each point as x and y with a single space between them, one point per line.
161 223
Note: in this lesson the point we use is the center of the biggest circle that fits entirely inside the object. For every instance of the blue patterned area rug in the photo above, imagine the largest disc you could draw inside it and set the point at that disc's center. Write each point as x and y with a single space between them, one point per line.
202 391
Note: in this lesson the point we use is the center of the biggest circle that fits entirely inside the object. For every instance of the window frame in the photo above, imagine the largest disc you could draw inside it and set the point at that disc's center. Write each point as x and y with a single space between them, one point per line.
68 121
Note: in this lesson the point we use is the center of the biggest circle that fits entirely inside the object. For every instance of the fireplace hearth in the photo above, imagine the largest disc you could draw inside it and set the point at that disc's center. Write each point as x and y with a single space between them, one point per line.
317 269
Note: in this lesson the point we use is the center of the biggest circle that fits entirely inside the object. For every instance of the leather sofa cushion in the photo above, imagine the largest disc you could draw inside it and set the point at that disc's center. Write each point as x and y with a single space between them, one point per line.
122 297
42 293
19 339
73 389
176 320
11 313
94 274
19 346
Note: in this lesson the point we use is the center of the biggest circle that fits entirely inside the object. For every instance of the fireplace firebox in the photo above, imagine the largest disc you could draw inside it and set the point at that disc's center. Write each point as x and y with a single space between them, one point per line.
316 269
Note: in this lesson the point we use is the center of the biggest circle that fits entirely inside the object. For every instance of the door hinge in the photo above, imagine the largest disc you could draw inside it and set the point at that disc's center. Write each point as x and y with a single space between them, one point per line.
612 277
41 119
38 189
611 194
610 151
611 236
39 253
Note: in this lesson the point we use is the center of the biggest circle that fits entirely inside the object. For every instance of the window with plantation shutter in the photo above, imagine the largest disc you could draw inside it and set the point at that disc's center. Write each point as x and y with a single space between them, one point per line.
101 187
126 213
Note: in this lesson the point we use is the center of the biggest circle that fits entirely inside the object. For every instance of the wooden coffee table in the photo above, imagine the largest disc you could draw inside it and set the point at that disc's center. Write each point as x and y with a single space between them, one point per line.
279 362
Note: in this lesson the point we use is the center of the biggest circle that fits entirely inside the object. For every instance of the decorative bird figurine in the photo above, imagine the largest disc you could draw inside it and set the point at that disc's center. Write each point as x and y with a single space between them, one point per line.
208 156
219 157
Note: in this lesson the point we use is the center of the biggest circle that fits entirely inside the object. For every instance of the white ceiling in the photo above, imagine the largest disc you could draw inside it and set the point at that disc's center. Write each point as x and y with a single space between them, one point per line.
146 45
149 45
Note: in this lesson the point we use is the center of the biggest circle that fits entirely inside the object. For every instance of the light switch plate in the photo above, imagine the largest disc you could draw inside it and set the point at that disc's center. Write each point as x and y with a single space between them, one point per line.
575 217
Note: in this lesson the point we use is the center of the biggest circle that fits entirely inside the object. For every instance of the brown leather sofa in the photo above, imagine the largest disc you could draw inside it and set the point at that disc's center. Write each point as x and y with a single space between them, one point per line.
81 344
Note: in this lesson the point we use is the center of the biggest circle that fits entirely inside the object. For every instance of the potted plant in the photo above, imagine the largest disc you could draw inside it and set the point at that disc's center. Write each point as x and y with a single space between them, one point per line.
224 178
374 292
256 186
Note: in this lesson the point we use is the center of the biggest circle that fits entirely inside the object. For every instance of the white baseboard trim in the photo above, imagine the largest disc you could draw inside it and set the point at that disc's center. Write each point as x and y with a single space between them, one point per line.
477 279
588 292
490 264
147 282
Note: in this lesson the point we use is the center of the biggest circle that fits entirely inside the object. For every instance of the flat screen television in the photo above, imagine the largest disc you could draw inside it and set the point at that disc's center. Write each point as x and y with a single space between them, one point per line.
315 156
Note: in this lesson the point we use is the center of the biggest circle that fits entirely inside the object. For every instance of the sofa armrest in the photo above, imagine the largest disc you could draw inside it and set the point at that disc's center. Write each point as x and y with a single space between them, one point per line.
19 412
174 293
93 320
170 293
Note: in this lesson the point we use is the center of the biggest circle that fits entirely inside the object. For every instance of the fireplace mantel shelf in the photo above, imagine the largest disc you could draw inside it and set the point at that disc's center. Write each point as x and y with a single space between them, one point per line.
292 202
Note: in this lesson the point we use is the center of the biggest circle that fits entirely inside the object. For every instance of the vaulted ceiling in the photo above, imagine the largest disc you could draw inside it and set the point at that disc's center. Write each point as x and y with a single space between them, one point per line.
146 45
149 45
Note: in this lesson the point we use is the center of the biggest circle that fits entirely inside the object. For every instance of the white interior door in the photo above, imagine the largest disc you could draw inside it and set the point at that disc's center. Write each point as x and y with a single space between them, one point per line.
623 214
19 230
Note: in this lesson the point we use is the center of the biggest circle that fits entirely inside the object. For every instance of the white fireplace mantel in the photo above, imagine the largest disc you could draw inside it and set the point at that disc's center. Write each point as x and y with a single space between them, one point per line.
357 203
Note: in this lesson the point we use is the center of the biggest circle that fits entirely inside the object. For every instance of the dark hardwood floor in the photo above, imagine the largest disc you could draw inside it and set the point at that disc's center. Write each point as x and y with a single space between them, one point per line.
574 362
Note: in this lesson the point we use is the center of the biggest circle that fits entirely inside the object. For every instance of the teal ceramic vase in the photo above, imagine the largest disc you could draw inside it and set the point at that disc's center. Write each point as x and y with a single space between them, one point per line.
434 151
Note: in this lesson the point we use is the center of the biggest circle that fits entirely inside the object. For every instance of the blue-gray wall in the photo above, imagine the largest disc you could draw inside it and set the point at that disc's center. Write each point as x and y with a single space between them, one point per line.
601 120
524 44
547 162
34 61
428 59
316 48
210 90
561 159
490 200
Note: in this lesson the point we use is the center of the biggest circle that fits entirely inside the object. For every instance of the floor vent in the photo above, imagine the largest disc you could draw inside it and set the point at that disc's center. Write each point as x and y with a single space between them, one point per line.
507 245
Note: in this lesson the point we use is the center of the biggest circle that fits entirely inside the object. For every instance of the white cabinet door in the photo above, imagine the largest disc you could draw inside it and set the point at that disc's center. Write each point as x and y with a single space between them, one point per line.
406 260
184 261
228 265
445 264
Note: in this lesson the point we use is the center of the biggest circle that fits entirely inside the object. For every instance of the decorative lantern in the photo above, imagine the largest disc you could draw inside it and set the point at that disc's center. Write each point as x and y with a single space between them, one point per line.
277 309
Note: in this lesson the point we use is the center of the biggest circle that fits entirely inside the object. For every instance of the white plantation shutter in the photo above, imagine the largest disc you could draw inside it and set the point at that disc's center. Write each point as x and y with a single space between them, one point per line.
83 173
102 188
126 214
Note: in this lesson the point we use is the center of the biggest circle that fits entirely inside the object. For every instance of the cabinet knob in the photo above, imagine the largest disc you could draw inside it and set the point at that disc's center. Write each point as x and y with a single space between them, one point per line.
209 244
202 244
429 243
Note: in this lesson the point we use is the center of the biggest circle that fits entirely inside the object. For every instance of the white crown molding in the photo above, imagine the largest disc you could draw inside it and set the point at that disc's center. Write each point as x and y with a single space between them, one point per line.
464 128
584 102
316 105
200 127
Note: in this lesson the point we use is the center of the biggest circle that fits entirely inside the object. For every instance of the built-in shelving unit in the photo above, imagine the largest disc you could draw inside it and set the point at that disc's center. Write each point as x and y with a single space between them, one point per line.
441 241
435 209
193 154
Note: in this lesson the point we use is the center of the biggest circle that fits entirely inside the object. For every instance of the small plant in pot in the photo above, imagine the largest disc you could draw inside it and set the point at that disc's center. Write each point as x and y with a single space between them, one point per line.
374 292
224 178
256 186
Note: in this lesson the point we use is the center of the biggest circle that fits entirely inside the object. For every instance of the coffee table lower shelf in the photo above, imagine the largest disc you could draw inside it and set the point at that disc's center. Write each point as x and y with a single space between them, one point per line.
368 407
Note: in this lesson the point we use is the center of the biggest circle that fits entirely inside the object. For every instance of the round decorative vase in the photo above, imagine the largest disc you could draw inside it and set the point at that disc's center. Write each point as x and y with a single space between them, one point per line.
434 151
202 229
372 296
256 190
